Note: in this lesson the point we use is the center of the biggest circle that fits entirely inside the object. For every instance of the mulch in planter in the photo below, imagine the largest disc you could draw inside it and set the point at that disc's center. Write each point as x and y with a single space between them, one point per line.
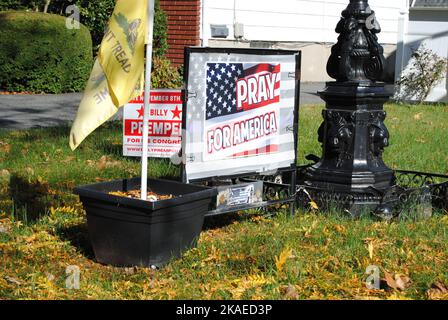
135 194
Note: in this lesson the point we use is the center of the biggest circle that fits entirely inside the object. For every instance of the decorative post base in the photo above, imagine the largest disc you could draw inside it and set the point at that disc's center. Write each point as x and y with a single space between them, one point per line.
353 134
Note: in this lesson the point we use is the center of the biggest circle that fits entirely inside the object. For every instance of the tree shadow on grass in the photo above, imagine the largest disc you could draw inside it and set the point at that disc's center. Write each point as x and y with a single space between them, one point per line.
31 197
218 222
78 236
224 220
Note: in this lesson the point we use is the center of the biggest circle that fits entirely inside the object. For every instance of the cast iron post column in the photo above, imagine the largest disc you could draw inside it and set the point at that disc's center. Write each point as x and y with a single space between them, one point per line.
353 134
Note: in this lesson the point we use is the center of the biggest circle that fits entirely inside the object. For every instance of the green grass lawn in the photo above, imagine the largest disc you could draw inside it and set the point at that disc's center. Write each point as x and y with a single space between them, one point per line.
247 255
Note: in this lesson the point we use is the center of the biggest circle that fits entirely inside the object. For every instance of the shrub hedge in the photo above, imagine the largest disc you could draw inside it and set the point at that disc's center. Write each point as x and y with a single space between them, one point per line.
164 75
39 54
95 16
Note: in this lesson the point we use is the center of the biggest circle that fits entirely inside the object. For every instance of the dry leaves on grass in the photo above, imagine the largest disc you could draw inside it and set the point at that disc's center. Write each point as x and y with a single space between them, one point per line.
240 286
367 298
396 296
4 174
340 229
373 245
4 229
418 116
12 280
68 159
313 206
45 156
290 292
103 163
280 261
5 147
214 255
307 230
438 291
370 248
397 281
65 209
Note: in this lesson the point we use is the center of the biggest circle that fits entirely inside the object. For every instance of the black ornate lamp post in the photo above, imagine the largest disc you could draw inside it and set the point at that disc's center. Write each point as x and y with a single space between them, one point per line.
353 134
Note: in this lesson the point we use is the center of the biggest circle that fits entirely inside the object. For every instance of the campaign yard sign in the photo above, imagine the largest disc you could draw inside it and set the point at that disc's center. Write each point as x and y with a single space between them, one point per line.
240 112
165 125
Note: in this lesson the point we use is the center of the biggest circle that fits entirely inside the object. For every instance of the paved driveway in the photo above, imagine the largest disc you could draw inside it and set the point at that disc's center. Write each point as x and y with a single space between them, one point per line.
31 111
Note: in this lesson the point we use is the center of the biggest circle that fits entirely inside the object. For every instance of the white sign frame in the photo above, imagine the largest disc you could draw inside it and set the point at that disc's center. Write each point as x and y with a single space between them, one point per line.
196 166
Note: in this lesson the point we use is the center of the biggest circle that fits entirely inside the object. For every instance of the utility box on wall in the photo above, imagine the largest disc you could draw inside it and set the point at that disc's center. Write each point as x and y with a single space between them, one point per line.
238 30
219 31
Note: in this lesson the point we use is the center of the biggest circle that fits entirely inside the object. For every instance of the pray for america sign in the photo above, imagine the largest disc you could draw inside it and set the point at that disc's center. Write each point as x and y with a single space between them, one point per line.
239 113
241 117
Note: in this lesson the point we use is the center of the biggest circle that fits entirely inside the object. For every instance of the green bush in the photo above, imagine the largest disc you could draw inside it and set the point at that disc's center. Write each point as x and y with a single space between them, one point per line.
164 75
39 54
15 5
425 70
95 15
160 31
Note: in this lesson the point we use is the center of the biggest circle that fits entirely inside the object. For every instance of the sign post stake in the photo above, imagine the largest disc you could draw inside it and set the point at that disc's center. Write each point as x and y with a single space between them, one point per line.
147 97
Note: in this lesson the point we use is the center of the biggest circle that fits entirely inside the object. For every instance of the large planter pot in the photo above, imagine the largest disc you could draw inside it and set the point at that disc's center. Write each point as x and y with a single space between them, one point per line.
132 232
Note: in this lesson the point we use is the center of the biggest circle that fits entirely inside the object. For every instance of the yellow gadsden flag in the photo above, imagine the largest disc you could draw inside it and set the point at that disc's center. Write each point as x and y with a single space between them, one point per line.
116 77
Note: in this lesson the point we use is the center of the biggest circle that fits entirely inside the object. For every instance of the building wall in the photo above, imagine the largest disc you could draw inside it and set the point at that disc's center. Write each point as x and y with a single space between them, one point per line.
293 20
429 27
307 25
184 18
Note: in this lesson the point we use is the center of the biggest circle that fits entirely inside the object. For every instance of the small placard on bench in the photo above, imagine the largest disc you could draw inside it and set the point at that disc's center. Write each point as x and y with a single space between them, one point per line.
239 194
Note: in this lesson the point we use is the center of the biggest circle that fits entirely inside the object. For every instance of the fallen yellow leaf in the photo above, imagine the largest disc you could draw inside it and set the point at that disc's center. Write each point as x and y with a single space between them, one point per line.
397 281
282 258
438 291
370 248
291 292
396 296
314 205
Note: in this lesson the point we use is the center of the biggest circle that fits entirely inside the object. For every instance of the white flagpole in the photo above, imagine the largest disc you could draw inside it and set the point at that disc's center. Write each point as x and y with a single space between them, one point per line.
147 95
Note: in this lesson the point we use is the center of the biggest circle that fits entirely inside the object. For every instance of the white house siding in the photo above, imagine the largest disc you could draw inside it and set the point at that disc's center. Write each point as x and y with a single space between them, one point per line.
429 27
293 24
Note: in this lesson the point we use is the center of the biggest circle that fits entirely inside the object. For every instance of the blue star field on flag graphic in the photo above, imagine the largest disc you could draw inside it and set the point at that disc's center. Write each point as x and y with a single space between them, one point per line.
221 88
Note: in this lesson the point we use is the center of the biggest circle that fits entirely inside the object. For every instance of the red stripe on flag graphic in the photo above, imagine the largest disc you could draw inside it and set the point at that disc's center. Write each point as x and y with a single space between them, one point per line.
262 67
259 87
265 150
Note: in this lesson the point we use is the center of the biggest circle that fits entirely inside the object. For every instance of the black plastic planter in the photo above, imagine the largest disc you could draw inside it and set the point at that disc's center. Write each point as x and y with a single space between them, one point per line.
132 232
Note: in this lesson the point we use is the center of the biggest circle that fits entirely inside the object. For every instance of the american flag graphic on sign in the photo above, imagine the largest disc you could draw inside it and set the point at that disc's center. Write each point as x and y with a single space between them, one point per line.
237 113
238 87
